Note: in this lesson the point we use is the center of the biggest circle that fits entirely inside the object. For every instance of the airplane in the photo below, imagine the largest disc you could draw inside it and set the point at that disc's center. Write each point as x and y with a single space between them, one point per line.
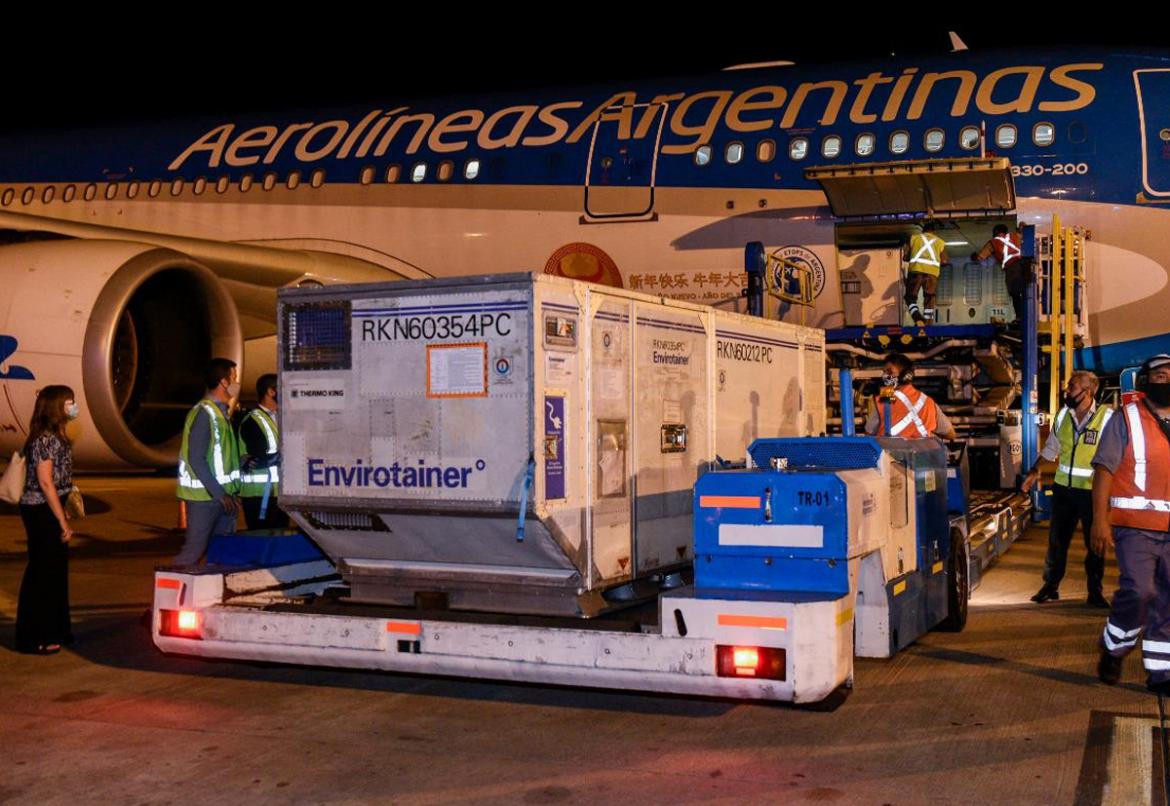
129 256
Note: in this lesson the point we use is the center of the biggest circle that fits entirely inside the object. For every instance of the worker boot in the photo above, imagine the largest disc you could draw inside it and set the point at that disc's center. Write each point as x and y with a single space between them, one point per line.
1161 688
1097 599
1109 668
1046 594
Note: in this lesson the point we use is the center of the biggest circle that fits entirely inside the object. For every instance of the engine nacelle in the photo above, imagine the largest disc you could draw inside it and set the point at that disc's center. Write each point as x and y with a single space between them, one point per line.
128 326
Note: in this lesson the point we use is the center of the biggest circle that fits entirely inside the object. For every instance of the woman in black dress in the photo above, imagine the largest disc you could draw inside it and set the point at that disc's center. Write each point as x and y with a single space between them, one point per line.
42 615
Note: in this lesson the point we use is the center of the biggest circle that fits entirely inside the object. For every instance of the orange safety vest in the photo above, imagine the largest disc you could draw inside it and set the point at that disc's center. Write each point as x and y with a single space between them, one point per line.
1006 248
1140 497
913 414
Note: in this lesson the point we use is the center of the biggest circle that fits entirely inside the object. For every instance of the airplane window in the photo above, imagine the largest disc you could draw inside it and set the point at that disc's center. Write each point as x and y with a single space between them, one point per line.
177 187
766 151
1005 135
154 188
419 172
900 142
245 183
28 195
133 188
199 186
733 153
831 146
269 181
6 199
1077 132
317 178
367 175
865 145
69 194
294 180
221 185
90 191
392 173
112 190
1043 134
798 148
446 169
934 140
47 196
471 169
969 138
702 155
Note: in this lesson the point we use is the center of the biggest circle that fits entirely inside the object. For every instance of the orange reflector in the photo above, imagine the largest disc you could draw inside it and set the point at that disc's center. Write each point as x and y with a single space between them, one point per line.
168 582
730 501
759 622
404 627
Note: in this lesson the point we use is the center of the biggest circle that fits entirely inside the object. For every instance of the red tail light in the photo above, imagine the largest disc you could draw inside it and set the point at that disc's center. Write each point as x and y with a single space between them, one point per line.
750 661
180 623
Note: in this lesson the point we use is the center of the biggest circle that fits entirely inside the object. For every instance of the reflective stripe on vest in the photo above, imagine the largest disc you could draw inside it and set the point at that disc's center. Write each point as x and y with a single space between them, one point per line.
1137 438
1008 250
223 459
925 254
254 481
264 419
912 411
1140 503
1075 464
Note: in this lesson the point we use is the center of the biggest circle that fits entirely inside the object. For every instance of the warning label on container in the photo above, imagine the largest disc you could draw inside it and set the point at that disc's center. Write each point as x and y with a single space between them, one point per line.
457 370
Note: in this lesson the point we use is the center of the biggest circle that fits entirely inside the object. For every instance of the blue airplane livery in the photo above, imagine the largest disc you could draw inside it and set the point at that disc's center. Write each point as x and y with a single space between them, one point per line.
132 254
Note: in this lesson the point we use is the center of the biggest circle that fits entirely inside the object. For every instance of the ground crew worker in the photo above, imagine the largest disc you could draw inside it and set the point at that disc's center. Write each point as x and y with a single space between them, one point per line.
926 254
209 464
1131 512
1072 444
259 470
913 414
1006 249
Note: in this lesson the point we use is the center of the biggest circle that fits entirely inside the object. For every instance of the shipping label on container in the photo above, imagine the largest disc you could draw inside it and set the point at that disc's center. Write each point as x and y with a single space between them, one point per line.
437 405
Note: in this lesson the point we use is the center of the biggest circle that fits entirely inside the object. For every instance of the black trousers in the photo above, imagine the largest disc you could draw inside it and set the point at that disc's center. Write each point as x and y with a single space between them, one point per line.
1070 506
42 611
275 518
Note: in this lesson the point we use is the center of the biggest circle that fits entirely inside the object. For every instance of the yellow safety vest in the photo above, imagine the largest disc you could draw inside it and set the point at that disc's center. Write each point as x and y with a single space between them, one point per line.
925 253
223 456
1074 468
253 482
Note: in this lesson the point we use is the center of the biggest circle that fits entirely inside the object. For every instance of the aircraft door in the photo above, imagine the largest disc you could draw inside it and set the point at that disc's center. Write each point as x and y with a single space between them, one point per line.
622 162
1153 92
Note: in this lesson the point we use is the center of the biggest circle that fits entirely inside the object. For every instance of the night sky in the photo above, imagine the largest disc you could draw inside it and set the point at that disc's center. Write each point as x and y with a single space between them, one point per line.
109 71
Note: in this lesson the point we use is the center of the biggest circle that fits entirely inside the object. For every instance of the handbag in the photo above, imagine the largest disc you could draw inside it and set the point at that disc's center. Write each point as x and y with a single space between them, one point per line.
74 504
12 482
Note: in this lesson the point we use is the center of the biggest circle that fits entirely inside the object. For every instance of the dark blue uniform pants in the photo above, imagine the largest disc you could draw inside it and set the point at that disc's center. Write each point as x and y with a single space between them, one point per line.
1142 600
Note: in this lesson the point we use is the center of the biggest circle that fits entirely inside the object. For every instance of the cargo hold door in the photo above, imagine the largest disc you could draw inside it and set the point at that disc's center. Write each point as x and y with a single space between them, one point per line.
1153 89
944 188
621 169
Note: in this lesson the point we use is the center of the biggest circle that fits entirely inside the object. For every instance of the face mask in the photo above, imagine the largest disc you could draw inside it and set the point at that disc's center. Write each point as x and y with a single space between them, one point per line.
889 379
1159 393
73 411
1072 401
233 390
